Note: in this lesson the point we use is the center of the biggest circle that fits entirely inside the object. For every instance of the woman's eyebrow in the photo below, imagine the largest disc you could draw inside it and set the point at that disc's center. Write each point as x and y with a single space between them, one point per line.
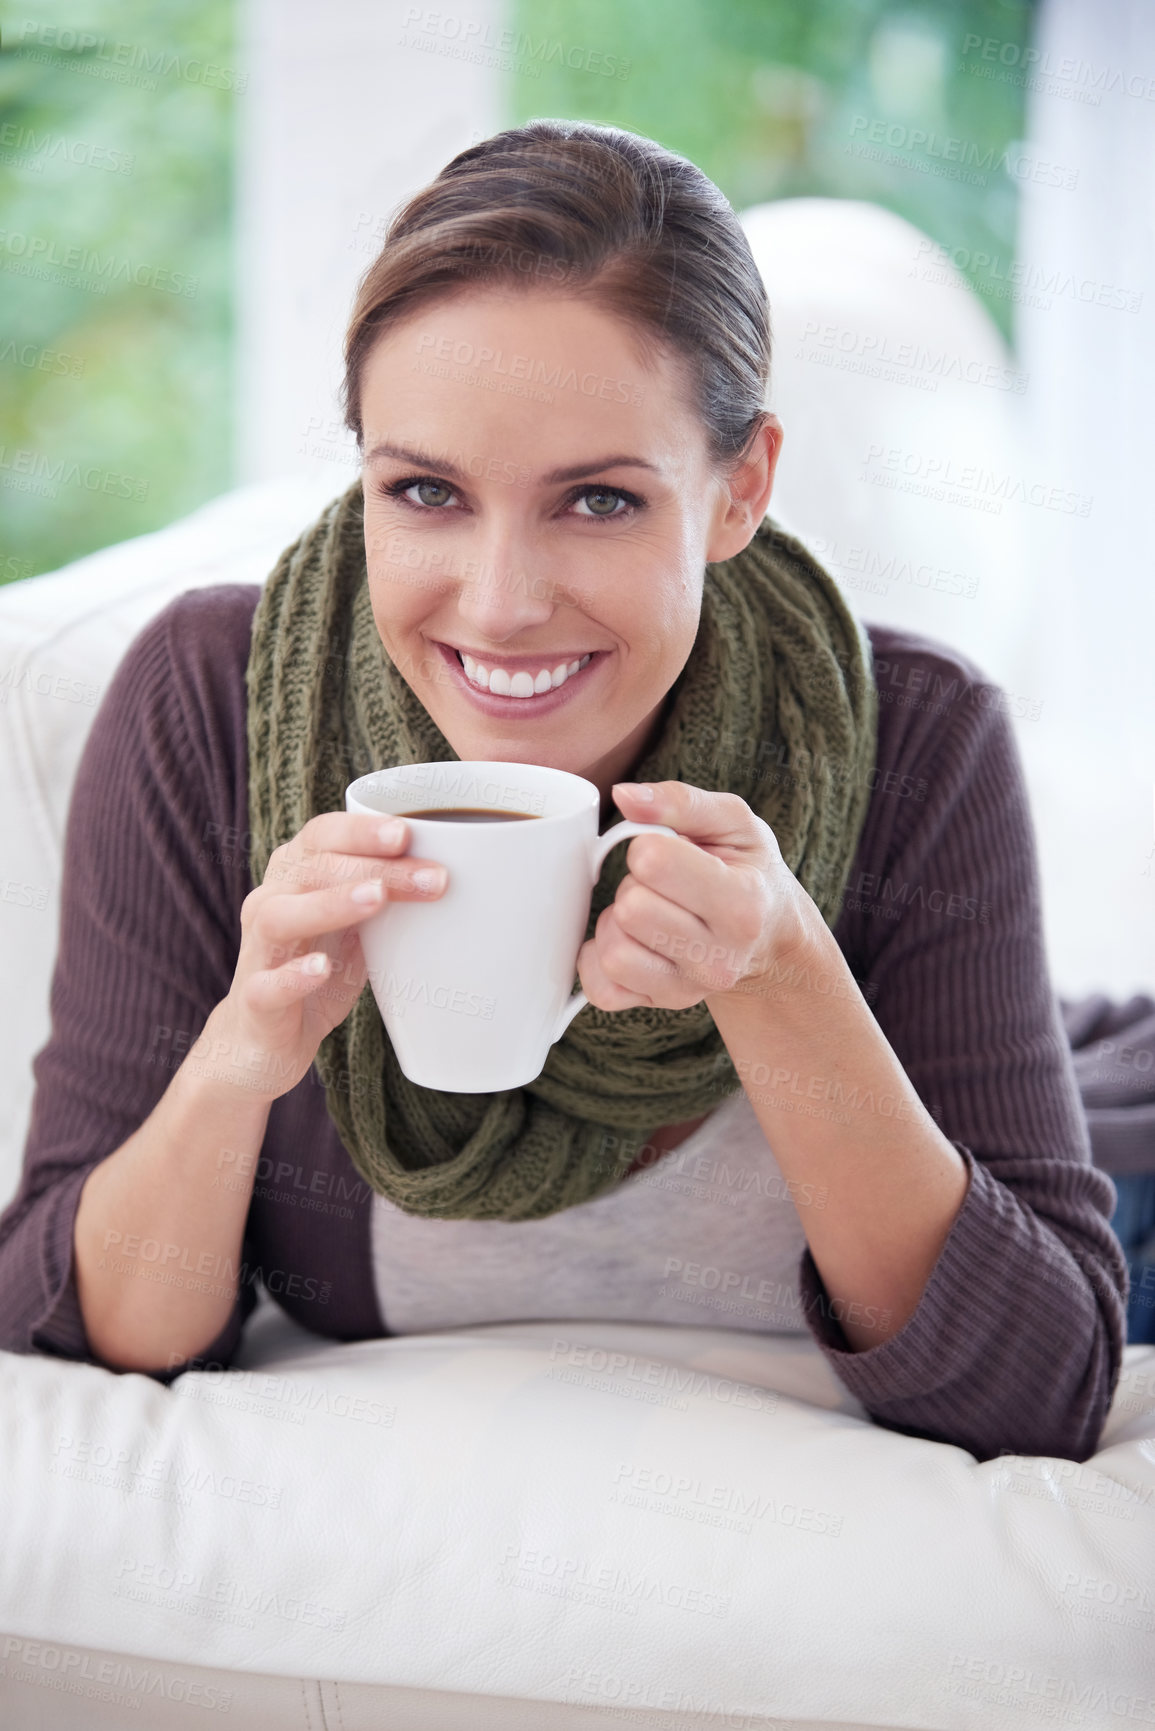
420 459
580 470
442 465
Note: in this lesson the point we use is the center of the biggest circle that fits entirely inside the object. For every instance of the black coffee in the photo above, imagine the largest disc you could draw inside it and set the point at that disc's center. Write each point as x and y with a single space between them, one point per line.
469 814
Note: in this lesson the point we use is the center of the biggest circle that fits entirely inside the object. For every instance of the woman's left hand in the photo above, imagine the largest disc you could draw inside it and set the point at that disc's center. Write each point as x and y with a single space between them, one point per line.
698 914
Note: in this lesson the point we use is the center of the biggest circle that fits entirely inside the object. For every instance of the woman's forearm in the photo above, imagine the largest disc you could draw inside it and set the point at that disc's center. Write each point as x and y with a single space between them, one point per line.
160 1223
839 1111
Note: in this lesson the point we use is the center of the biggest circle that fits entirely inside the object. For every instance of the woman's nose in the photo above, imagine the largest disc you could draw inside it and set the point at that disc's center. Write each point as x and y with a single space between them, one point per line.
501 594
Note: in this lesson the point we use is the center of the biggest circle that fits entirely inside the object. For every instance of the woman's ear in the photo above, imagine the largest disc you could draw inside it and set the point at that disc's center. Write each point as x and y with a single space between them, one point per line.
745 493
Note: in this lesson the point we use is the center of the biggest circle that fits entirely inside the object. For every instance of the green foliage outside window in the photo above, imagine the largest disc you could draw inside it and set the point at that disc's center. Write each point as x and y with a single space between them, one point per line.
115 190
915 107
116 165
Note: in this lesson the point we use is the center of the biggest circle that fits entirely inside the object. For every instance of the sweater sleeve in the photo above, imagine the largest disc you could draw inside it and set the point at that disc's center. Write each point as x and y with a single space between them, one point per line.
1017 1341
149 934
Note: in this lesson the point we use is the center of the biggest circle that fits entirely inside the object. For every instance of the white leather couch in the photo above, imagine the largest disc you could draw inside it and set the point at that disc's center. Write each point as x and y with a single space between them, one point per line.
544 1526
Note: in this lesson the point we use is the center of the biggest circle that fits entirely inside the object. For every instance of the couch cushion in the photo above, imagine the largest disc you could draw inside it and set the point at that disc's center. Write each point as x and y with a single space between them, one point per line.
61 638
583 1514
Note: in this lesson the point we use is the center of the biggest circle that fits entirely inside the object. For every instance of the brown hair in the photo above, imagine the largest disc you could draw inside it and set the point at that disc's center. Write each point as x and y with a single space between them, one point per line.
572 207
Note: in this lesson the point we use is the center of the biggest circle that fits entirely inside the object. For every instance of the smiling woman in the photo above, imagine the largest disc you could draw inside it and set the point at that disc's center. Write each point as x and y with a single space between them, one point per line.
617 439
827 987
628 533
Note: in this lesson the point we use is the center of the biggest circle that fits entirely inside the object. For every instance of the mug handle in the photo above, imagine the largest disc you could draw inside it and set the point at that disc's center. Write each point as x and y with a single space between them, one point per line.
602 845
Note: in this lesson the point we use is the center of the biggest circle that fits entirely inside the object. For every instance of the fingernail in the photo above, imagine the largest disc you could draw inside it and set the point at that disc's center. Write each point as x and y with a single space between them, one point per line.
313 964
391 831
428 878
639 789
370 891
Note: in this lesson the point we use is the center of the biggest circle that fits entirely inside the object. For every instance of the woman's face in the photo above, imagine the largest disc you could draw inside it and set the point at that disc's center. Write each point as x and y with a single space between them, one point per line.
539 495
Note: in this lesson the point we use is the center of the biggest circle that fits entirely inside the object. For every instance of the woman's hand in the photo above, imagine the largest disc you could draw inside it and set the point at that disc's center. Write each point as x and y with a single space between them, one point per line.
300 968
699 913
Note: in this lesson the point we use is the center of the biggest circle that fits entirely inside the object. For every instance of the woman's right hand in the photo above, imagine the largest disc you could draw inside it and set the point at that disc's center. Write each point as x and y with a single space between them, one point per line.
301 969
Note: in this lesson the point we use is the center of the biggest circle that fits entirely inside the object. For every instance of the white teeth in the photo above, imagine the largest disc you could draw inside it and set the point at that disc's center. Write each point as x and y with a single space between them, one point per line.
520 684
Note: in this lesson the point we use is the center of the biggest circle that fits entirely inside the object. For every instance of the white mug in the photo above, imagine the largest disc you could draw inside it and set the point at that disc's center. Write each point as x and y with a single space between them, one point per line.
474 987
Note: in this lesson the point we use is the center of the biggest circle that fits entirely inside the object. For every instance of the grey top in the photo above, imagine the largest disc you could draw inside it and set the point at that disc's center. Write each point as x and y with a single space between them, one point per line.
709 1234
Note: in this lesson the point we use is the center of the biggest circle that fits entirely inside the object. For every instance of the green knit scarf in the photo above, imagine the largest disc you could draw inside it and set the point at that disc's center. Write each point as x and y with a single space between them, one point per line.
776 703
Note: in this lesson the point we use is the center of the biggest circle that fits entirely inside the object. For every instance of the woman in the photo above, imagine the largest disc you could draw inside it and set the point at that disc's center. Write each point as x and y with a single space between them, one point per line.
558 553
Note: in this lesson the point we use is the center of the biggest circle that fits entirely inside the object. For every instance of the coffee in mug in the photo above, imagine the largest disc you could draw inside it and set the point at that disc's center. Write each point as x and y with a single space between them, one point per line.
475 987
467 814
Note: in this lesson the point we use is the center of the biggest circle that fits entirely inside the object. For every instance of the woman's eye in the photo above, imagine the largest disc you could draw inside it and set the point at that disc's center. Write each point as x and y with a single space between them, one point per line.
603 502
429 492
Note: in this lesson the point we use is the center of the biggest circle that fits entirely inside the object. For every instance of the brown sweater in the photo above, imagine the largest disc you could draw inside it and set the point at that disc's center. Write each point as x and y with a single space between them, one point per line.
1017 1341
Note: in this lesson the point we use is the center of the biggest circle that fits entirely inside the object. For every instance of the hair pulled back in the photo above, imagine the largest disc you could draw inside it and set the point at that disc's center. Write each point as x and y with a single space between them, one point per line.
593 211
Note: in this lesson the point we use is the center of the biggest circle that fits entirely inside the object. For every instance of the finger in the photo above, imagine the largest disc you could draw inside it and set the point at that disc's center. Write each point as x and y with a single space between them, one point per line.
602 992
694 949
284 921
633 975
702 884
271 989
711 819
333 844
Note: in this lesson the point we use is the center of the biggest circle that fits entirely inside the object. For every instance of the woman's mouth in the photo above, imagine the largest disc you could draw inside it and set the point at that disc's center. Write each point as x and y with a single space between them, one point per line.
507 692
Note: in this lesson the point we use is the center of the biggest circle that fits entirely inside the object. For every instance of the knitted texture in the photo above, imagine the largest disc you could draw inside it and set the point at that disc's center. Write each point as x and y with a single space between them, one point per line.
779 674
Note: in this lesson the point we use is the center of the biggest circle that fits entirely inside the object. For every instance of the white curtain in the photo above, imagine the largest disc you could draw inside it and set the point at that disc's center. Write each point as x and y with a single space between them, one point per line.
1085 334
350 107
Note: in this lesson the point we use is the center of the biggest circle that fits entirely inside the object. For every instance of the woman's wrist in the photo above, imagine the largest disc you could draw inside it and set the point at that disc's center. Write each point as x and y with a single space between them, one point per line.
804 958
226 1063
